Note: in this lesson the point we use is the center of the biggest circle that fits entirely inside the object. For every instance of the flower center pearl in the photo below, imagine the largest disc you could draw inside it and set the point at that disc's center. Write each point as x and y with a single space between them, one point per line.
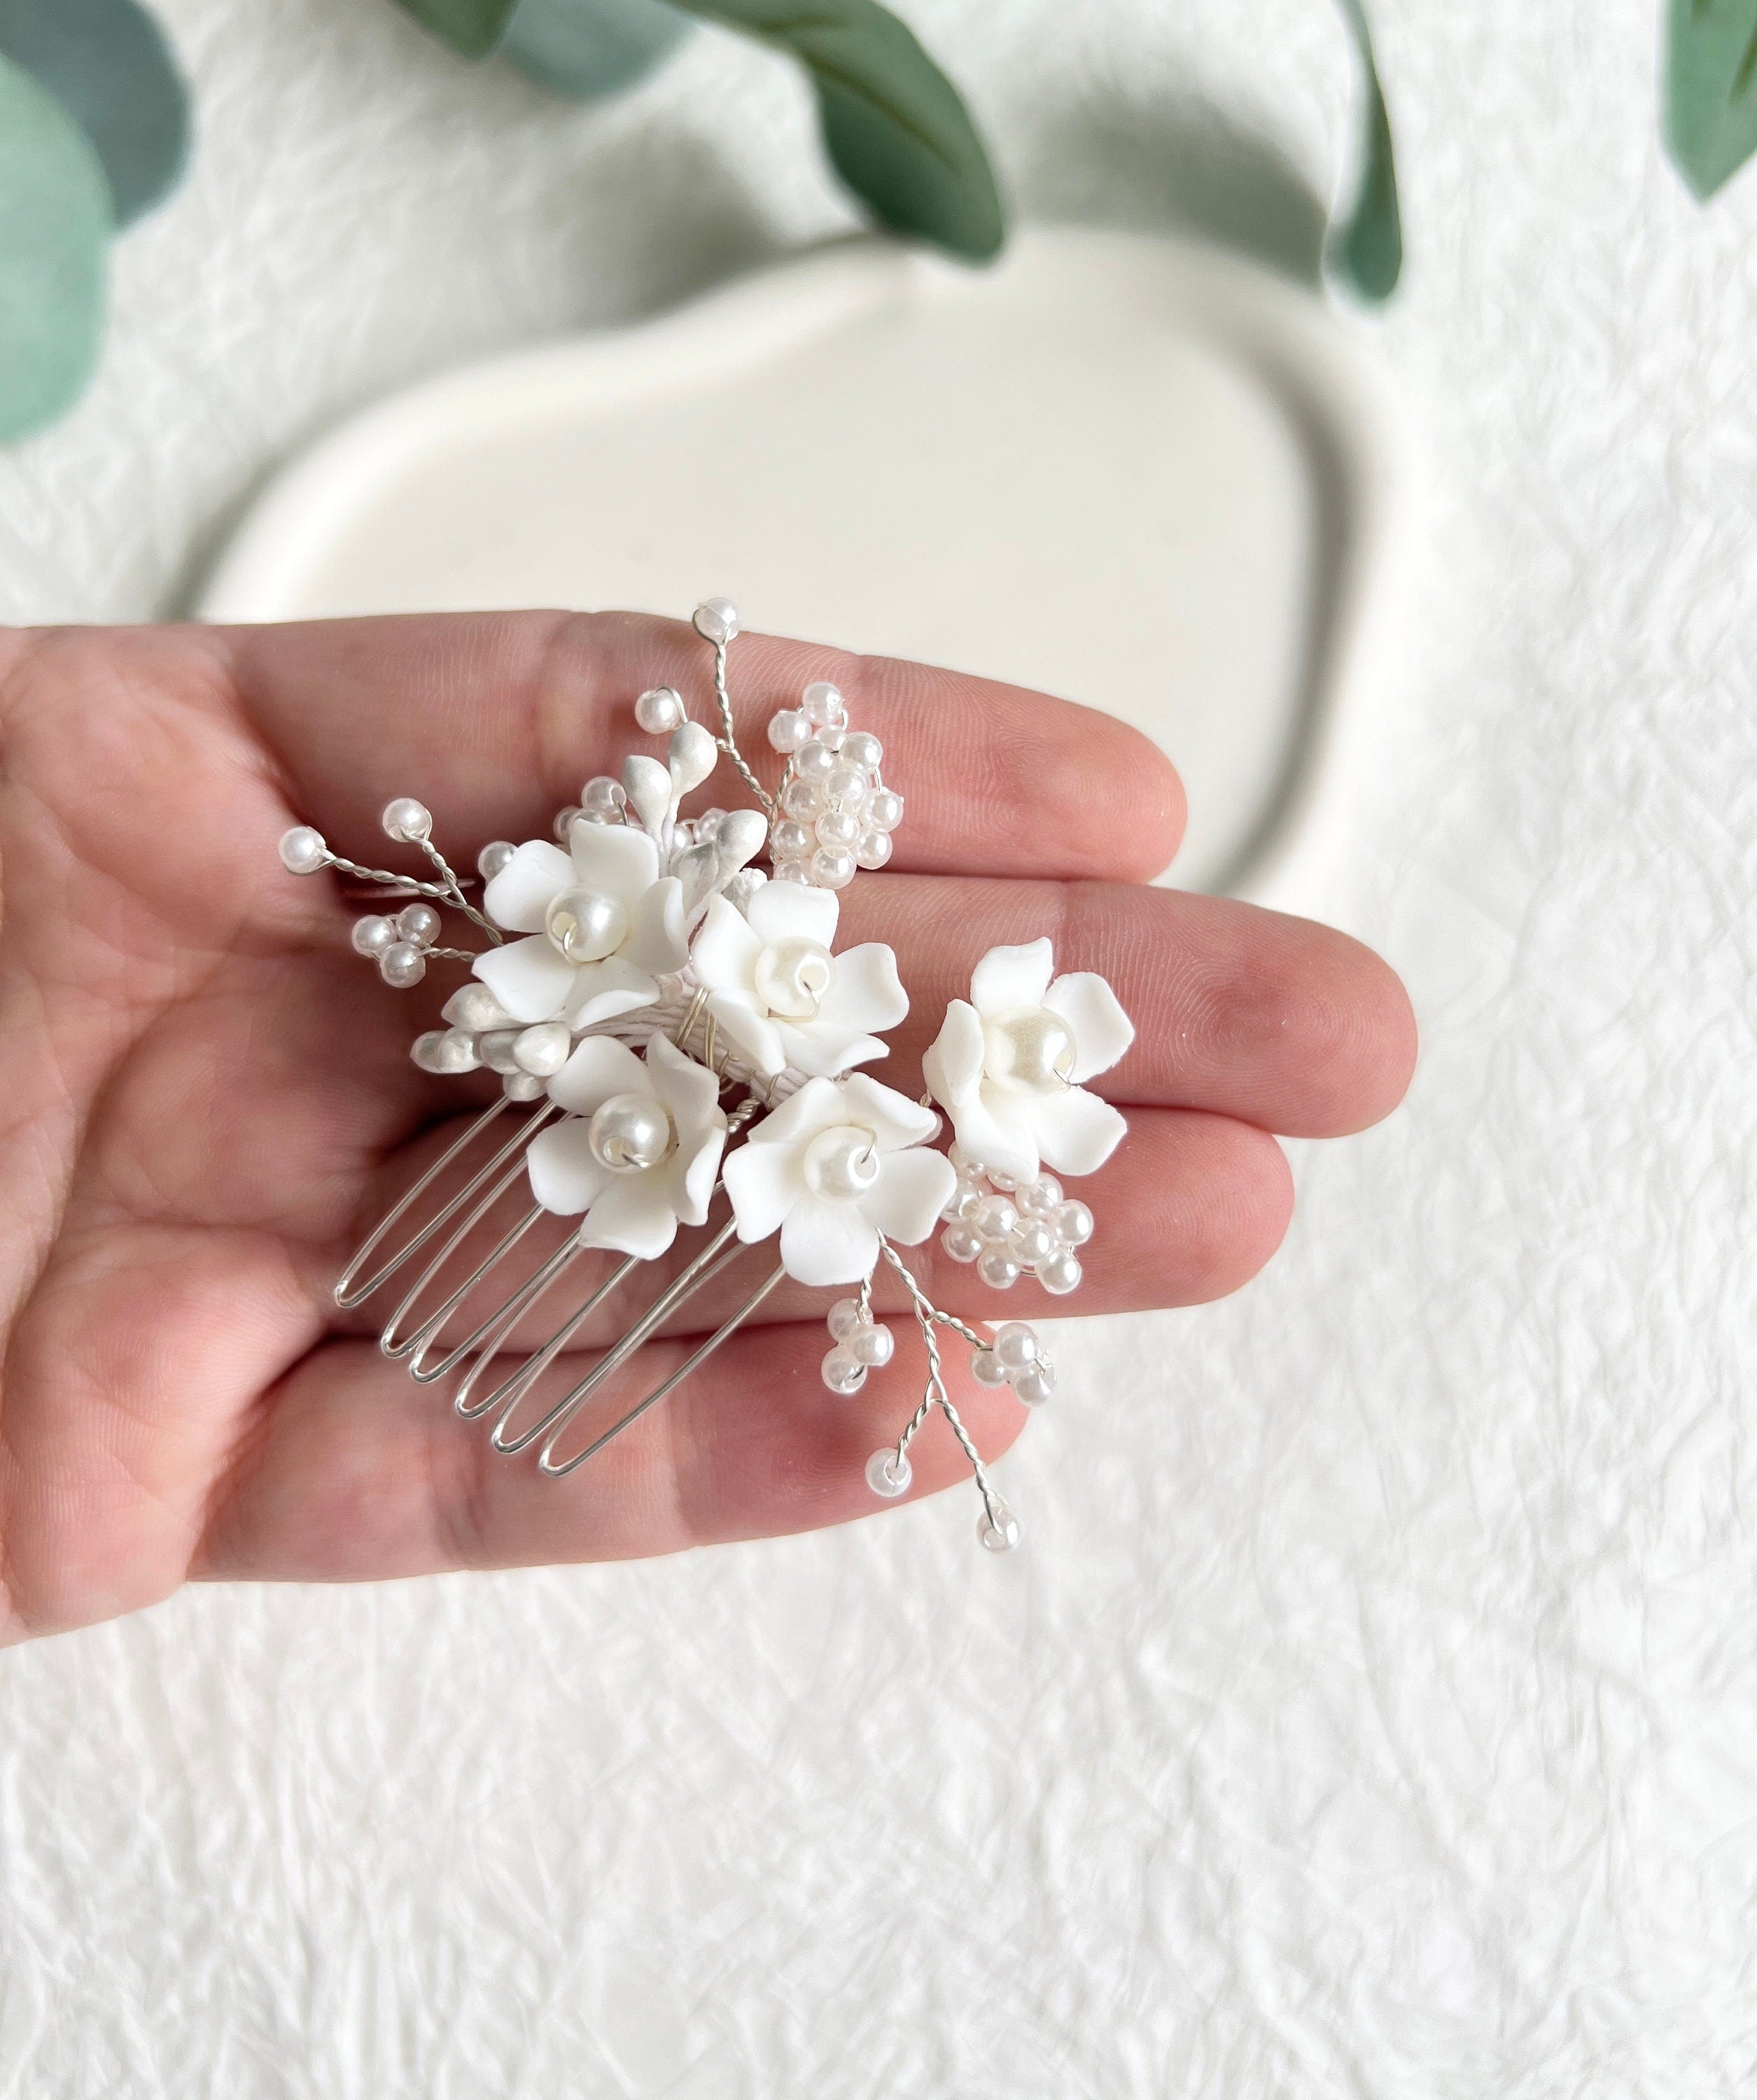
792 977
586 925
841 1164
630 1132
1031 1052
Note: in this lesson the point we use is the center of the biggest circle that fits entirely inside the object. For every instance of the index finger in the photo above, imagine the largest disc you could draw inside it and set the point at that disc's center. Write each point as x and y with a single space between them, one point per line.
496 719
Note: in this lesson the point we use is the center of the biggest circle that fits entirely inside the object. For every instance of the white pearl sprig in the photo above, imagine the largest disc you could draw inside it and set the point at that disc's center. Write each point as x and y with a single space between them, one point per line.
836 812
1015 1357
862 1344
1009 1230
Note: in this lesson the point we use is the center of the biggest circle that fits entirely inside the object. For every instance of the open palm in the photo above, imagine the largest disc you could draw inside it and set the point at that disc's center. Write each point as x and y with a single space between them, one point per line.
204 1093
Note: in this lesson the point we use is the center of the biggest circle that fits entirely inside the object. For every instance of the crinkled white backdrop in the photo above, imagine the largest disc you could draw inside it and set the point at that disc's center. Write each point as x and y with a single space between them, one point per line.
1374 1710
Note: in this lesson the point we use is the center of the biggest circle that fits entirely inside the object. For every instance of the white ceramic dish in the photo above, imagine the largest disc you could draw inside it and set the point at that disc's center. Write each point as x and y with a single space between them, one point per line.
1123 468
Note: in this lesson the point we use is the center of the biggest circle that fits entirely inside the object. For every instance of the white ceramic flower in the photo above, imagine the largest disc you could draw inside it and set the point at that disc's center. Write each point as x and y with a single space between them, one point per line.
778 993
604 925
1007 1067
641 1150
834 1166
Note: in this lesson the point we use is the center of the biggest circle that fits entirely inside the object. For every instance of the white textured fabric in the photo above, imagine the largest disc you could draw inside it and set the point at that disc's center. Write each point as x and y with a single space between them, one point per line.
1372 1711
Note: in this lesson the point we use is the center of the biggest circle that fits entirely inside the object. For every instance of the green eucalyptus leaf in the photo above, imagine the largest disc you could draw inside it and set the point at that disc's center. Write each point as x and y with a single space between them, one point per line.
1711 91
108 65
895 128
591 47
473 27
1365 249
54 230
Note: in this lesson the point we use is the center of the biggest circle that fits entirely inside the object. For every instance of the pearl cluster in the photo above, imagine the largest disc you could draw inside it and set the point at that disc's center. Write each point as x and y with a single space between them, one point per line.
399 945
861 1344
1015 1357
835 815
1009 1229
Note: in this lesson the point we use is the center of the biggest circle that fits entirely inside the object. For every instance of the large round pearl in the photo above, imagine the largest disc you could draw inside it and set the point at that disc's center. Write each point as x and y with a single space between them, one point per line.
1034 1386
1032 1052
586 925
841 1164
792 977
630 1132
843 1317
962 1242
303 850
803 800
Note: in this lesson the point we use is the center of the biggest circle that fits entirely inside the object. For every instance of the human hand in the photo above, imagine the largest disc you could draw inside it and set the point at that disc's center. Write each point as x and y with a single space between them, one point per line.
205 1095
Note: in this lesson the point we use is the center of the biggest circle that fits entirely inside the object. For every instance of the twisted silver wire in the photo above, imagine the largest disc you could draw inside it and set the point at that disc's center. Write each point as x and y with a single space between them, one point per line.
728 742
926 1314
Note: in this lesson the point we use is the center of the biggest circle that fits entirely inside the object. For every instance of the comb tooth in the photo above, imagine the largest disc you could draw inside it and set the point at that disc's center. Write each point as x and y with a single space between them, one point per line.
418 1344
387 1341
507 1396
558 1469
347 1293
702 1270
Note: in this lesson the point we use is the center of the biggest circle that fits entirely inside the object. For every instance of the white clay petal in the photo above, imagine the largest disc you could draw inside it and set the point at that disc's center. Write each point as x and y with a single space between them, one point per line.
817 1105
824 1243
991 1128
1076 1132
616 860
632 1216
689 1090
599 1067
953 1067
656 941
912 1189
893 1119
1009 978
519 896
757 1041
529 978
867 997
764 1182
727 946
601 991
795 911
1101 1030
822 1053
697 1171
566 1175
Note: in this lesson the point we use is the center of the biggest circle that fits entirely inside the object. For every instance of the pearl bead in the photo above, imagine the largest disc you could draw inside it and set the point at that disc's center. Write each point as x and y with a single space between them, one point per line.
963 1199
997 1268
875 1346
708 825
717 620
493 857
1001 1179
585 925
630 1132
495 1048
445 1050
831 868
407 819
566 820
584 816
402 964
888 1476
744 886
303 850
523 1087
836 828
873 850
884 810
792 870
1034 1386
843 1371
1039 1198
986 1369
1074 1224
821 702
1061 1274
1001 1536
847 789
659 710
544 1049
861 749
812 761
1015 1346
972 1169
1032 1242
1032 1052
419 923
843 1317
841 1164
994 1217
804 799
830 736
373 934
962 1242
791 978
472 1006
788 730
602 793
789 840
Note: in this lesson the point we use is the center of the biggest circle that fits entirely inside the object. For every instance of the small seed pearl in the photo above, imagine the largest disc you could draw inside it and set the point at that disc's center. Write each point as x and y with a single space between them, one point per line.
1074 1224
444 1050
544 1048
373 934
303 850
843 1317
962 1242
874 1346
884 810
987 1368
523 1087
717 620
402 964
602 793
419 923
494 856
659 710
863 750
1000 1537
790 841
888 1476
494 1047
803 799
1032 1242
997 1268
1039 1199
843 1370
1015 1346
836 828
406 819
788 730
1061 1274
566 820
811 761
831 868
994 1217
1033 1386
821 702
873 850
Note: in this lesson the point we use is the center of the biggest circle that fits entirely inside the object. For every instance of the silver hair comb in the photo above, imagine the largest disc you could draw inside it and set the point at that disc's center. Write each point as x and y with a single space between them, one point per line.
670 1022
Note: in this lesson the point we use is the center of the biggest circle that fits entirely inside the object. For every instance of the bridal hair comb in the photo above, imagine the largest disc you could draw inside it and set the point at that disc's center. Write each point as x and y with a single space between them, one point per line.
670 1021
